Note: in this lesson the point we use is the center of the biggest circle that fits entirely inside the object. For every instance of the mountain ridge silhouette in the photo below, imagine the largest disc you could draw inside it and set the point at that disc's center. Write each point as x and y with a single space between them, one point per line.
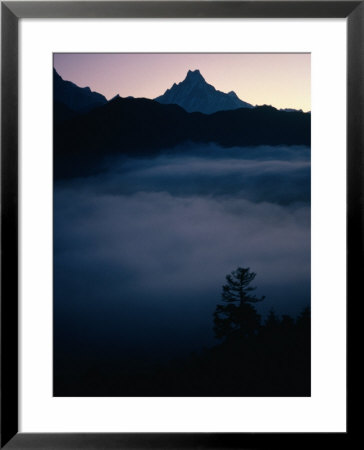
75 98
140 127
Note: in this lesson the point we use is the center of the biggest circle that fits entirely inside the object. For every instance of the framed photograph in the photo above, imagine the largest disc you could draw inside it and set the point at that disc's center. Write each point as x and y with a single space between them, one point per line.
181 222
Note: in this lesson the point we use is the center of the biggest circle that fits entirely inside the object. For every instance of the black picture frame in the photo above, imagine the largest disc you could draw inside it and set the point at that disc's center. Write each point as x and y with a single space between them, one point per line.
11 12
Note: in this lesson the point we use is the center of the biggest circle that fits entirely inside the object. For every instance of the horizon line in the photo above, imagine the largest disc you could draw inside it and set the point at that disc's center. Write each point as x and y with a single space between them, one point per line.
188 70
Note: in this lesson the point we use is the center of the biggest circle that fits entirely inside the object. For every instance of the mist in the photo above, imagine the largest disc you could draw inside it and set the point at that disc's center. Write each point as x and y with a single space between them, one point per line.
141 250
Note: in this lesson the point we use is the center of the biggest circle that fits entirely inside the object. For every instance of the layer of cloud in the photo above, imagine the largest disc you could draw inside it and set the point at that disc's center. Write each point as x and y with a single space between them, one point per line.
272 174
141 252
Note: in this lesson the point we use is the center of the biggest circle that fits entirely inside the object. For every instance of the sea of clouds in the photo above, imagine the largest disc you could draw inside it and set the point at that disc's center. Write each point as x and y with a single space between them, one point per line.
141 250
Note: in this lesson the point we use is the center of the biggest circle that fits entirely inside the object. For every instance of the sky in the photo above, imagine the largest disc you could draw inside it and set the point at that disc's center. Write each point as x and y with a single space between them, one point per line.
279 79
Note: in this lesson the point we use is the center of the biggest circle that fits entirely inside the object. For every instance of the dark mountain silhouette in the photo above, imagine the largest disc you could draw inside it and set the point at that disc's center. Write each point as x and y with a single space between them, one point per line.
74 97
195 95
62 112
291 110
145 127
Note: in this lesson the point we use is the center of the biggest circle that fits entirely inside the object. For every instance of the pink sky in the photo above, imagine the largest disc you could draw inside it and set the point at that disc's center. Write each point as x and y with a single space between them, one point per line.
278 79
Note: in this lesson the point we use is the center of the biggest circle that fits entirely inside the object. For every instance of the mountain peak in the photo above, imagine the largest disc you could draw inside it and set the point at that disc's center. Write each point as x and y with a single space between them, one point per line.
194 94
194 75
116 97
232 94
74 97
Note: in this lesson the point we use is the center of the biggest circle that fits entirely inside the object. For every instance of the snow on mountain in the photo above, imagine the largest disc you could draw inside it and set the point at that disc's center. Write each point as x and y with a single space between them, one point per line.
194 94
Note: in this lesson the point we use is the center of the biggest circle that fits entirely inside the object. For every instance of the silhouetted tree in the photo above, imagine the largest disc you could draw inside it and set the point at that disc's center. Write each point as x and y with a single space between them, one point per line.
272 324
303 328
272 321
287 324
237 316
304 319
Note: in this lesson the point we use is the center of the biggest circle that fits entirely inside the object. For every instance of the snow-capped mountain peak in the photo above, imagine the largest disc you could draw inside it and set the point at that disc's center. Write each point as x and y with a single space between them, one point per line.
194 94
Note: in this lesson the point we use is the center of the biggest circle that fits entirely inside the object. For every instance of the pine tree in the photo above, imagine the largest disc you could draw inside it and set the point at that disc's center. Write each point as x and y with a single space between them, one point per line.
237 317
272 321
